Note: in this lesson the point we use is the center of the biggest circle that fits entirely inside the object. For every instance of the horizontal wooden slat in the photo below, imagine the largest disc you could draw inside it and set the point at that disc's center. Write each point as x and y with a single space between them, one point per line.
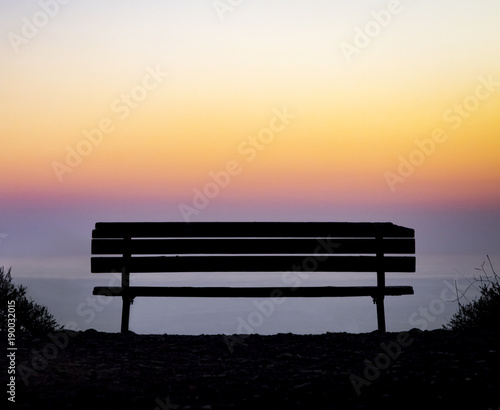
249 229
251 246
259 292
255 264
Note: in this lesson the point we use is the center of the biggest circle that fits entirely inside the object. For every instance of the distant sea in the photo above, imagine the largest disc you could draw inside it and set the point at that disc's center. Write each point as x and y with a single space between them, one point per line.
65 286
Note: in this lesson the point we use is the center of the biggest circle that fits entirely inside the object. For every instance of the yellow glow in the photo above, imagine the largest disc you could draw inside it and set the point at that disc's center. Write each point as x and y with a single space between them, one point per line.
353 121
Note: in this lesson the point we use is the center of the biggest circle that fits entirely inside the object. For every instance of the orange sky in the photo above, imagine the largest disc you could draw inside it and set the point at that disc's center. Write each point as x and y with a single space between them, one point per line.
180 92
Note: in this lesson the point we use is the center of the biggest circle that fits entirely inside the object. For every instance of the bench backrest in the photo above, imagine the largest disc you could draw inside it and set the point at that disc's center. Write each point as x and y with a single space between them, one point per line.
252 247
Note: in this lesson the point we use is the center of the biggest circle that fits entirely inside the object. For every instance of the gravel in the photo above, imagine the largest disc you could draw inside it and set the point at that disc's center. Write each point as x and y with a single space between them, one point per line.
414 369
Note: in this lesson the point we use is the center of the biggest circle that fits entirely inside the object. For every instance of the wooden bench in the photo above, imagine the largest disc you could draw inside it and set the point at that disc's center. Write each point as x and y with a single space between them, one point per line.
133 247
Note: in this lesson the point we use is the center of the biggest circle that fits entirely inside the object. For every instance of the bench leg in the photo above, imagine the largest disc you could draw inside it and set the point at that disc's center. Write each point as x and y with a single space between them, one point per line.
379 300
127 300
125 313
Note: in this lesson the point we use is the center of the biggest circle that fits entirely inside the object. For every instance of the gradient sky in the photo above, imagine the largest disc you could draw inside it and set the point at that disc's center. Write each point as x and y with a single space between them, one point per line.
356 116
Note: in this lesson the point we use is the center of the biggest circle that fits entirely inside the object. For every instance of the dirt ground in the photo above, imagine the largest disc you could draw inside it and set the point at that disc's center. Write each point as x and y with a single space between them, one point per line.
93 370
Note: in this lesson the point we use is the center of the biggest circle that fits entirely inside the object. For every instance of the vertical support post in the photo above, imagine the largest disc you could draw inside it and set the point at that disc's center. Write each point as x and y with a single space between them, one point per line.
126 300
380 283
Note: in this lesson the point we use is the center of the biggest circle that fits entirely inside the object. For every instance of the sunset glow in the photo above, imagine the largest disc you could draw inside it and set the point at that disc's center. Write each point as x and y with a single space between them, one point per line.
310 104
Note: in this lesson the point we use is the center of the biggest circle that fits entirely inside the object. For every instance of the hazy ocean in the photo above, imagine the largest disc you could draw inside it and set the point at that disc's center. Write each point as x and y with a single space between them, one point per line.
65 286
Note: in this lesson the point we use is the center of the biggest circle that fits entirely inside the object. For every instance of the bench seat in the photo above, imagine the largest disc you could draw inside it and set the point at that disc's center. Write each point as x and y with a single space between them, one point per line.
244 292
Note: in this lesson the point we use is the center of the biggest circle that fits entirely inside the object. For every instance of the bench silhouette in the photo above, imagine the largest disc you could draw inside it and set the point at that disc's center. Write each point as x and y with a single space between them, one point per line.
133 247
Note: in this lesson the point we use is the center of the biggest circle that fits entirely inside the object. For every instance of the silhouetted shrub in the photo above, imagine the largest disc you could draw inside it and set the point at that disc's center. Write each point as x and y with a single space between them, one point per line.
482 313
30 316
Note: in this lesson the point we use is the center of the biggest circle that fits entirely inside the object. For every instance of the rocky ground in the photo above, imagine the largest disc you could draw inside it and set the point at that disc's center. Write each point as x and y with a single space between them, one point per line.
92 370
